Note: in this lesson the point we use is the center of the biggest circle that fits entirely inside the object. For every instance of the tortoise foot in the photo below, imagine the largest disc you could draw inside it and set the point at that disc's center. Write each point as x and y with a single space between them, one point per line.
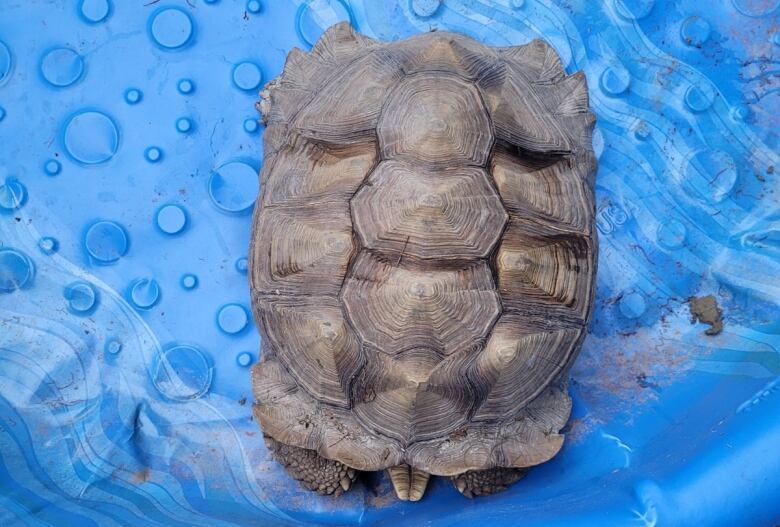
314 472
484 482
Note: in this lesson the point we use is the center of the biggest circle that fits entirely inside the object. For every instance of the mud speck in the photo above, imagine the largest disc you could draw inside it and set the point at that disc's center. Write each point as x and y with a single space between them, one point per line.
142 475
705 309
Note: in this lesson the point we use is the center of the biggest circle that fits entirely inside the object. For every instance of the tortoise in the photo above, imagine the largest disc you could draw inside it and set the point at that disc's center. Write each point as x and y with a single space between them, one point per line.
422 259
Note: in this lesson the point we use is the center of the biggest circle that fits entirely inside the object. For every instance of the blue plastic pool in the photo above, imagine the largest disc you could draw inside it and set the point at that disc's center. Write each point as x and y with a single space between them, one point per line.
129 151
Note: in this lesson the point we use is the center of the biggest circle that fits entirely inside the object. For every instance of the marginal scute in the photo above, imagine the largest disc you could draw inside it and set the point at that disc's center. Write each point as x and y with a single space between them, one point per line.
315 344
436 118
448 52
521 117
529 439
538 59
555 193
542 274
407 211
304 73
305 172
301 250
572 95
341 41
395 308
289 415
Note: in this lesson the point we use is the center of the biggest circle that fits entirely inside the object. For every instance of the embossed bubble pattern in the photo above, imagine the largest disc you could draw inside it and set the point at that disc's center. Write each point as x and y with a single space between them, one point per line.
129 153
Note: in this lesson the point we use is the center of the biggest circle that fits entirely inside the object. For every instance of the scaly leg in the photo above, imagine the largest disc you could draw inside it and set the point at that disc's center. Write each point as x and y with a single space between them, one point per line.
484 482
324 476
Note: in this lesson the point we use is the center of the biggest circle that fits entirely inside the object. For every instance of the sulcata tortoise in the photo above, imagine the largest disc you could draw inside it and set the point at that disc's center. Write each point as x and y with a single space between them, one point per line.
422 260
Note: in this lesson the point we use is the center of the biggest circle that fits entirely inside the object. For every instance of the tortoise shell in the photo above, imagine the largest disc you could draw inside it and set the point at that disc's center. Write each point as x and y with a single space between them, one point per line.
423 255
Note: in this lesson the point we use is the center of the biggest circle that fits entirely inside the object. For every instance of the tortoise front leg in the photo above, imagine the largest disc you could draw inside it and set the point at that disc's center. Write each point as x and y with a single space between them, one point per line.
484 482
314 472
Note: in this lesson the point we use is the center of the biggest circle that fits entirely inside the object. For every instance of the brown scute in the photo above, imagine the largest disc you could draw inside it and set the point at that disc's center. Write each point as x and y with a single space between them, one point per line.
347 112
544 274
315 344
435 118
423 258
428 214
301 250
556 195
338 172
395 308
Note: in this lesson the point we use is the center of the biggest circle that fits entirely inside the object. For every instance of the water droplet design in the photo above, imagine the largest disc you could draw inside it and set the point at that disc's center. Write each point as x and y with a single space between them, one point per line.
517 4
425 8
94 11
713 173
234 187
91 137
241 265
62 67
247 76
184 125
244 359
776 38
615 80
113 346
133 96
6 62
144 293
598 142
699 98
671 234
182 373
171 28
171 219
81 297
633 9
642 130
741 112
604 222
253 6
617 214
232 318
52 167
16 270
251 125
106 242
189 281
185 86
695 31
633 305
12 195
48 245
756 8
314 16
153 154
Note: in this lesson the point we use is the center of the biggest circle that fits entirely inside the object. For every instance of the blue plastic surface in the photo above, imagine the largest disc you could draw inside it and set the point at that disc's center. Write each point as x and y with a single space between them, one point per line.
129 149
